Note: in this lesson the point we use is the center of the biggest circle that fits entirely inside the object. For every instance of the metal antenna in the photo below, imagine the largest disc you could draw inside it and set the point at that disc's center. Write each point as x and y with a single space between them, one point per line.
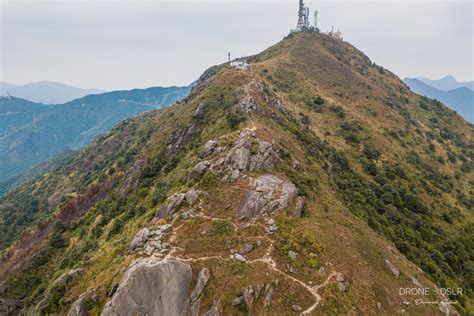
301 16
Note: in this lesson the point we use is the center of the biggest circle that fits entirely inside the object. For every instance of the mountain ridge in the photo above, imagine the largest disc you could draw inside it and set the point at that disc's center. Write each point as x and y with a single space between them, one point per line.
47 92
446 83
310 183
31 133
459 99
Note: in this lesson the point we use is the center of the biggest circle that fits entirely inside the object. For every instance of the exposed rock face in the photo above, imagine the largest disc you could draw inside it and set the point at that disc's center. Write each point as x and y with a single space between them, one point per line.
147 242
213 311
132 176
152 287
247 104
392 268
191 196
245 249
239 155
265 157
140 238
447 309
201 282
182 136
176 200
67 276
299 205
270 194
199 110
199 169
208 148
251 293
64 278
79 307
249 153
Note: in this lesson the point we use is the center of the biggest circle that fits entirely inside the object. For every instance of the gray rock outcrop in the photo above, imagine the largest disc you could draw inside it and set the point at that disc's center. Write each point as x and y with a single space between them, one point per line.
140 239
392 268
248 153
201 282
213 311
175 201
152 287
148 241
208 148
67 277
199 169
79 307
271 193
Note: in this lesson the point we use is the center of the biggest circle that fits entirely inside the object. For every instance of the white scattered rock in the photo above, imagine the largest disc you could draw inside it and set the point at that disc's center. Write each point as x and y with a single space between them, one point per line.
340 278
296 308
237 301
392 268
238 257
416 282
268 295
293 255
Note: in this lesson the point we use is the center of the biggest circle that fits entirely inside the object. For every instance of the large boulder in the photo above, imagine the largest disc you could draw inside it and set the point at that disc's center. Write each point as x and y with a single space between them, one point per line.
271 193
152 287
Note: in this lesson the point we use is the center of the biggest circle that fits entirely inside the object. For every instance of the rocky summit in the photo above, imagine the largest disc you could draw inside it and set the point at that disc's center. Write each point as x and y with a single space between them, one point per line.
314 183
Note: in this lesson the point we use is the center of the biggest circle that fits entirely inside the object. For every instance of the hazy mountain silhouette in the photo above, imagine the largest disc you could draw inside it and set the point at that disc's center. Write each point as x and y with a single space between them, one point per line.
47 92
447 83
460 99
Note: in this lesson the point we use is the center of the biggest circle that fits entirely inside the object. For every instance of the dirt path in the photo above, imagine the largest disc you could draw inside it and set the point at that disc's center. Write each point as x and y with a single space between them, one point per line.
266 258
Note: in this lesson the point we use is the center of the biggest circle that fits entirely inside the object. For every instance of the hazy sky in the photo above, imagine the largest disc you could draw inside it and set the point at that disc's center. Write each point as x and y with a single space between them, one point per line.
132 44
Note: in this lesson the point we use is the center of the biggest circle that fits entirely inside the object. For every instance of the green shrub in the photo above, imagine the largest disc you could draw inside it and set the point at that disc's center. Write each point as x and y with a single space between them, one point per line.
338 110
234 119
220 227
208 181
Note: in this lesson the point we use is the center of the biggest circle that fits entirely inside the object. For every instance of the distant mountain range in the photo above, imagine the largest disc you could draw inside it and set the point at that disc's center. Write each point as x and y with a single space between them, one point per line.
46 92
31 133
447 83
460 98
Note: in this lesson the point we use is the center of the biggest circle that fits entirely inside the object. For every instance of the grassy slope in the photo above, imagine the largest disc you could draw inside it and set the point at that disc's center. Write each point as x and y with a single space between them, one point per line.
363 105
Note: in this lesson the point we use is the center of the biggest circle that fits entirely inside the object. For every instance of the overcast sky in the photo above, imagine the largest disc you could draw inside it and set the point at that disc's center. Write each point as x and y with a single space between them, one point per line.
135 44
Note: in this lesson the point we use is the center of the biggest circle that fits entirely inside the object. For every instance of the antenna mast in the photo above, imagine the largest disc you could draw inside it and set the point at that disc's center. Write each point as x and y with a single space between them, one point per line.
301 16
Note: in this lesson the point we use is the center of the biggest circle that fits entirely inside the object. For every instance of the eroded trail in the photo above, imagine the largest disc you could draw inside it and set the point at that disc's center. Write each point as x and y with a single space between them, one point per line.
266 259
